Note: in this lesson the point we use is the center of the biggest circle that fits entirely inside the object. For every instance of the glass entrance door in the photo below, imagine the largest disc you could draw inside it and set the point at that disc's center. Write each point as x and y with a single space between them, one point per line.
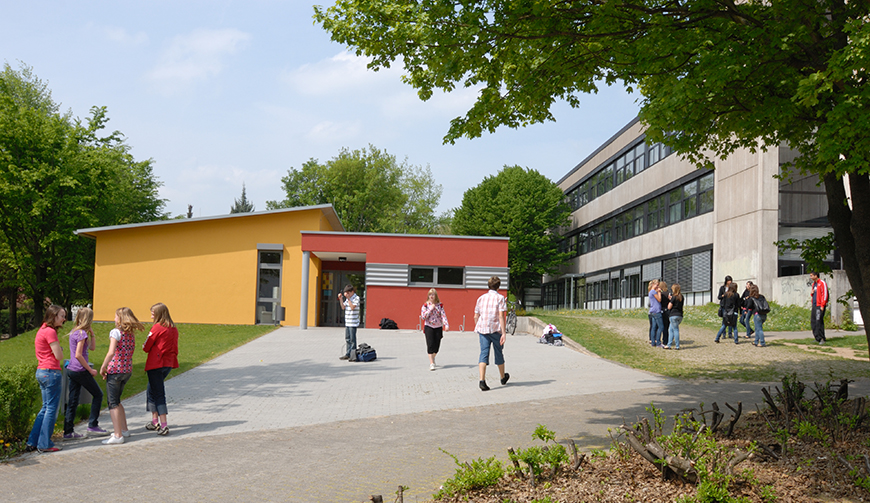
269 288
332 282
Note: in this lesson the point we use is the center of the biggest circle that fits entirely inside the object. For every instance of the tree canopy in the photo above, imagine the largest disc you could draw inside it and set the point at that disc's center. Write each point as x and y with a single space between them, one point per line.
714 76
525 206
370 191
58 175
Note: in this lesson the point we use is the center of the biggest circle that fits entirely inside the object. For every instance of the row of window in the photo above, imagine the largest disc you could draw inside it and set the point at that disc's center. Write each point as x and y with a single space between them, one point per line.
689 200
445 276
613 174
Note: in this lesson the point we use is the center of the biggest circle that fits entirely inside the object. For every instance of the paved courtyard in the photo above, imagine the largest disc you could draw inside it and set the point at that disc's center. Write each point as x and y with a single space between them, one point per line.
282 419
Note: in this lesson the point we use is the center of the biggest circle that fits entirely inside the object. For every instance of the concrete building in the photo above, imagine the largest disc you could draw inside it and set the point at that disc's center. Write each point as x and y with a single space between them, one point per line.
641 213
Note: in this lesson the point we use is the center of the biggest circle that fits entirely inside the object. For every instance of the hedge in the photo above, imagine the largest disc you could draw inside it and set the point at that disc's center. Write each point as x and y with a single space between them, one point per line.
20 399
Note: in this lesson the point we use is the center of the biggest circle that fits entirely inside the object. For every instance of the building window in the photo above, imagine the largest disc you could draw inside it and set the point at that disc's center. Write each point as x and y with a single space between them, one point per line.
441 276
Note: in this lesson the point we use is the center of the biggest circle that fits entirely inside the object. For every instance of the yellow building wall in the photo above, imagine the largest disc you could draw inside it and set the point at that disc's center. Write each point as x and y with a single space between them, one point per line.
204 271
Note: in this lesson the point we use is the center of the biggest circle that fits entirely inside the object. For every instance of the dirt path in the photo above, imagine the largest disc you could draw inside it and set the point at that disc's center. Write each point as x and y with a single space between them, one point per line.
779 357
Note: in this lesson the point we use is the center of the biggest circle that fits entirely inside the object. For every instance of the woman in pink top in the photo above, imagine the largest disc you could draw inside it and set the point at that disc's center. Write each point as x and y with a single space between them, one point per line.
117 368
48 356
434 322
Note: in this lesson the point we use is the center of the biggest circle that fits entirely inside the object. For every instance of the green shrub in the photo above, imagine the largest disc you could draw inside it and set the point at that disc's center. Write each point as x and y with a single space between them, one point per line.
19 400
478 474
23 319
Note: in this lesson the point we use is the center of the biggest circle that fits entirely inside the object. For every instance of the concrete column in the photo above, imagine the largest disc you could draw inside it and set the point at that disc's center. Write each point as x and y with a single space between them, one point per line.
303 299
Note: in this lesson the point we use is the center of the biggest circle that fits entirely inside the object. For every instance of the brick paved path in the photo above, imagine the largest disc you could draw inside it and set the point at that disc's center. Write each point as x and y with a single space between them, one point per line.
282 419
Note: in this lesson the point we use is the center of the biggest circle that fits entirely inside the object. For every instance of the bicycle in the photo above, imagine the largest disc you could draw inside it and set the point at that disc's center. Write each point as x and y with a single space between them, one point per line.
511 321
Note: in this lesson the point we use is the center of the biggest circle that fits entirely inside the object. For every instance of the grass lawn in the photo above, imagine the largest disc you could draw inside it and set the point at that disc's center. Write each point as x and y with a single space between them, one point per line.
780 318
197 344
857 343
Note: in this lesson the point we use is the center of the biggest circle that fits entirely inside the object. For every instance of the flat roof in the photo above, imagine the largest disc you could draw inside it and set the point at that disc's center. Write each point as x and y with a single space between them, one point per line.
599 149
382 234
327 210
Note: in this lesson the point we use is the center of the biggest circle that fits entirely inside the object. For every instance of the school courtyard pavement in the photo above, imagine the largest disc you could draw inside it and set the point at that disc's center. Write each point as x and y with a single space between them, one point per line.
283 419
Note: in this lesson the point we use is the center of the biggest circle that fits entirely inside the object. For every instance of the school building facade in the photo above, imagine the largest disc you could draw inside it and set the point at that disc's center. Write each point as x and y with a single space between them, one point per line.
641 213
286 267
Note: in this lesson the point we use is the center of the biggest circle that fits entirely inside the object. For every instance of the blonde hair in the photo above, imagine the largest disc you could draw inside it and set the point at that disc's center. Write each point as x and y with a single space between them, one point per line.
652 284
161 315
127 320
433 291
84 318
663 285
676 289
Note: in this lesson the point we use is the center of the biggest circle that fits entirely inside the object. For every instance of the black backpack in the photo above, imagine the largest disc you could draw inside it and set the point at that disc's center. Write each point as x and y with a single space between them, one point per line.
761 305
388 324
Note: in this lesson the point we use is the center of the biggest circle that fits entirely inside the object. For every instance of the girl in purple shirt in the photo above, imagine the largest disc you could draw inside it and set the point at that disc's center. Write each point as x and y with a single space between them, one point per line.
81 375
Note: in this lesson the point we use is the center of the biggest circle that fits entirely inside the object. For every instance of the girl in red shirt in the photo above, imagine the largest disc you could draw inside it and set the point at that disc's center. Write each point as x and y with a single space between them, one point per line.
162 348
48 356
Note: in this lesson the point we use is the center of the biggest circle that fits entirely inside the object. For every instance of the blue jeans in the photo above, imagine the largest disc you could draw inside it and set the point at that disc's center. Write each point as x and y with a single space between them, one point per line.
77 381
655 331
731 331
50 383
759 328
745 319
155 393
350 339
493 339
674 331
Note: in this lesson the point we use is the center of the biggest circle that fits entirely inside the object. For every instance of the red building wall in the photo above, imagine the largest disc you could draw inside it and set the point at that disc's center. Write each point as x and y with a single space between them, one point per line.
403 304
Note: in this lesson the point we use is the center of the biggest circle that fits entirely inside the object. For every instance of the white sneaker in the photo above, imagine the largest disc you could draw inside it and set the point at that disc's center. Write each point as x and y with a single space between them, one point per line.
431 366
114 440
125 433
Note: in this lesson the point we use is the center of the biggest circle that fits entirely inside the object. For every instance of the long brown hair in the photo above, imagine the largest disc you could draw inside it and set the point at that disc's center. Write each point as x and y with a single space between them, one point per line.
732 290
675 288
753 291
51 313
161 315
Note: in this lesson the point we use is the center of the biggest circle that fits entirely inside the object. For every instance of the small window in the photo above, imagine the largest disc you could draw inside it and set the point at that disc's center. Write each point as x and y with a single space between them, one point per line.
450 276
423 275
269 257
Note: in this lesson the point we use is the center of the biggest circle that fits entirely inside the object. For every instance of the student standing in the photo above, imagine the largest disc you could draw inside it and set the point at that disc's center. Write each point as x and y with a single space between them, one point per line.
48 357
745 315
666 322
434 323
655 313
489 323
350 302
818 305
117 368
753 306
81 375
730 308
675 312
162 348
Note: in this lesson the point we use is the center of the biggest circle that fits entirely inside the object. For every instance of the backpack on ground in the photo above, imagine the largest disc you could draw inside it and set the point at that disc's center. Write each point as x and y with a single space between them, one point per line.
388 324
365 353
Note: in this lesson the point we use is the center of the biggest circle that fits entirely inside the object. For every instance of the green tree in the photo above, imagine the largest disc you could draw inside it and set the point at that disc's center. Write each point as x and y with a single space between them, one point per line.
57 175
242 205
370 191
714 76
525 206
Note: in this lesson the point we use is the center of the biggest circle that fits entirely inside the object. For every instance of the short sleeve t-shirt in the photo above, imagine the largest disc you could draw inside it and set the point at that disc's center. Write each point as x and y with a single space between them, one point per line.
351 311
122 362
655 306
74 338
45 358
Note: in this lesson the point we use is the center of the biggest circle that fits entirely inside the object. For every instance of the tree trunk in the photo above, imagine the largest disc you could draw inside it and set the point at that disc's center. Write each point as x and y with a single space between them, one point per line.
852 234
13 312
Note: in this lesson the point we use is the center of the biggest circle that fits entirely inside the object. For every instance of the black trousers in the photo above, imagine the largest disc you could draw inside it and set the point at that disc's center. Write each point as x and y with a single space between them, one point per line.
817 322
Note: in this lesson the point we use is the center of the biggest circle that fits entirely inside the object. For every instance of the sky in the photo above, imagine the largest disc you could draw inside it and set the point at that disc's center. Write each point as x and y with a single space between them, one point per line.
221 94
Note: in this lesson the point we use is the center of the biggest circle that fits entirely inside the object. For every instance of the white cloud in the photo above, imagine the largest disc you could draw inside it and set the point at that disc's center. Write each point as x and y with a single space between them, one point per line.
121 36
195 57
342 73
331 132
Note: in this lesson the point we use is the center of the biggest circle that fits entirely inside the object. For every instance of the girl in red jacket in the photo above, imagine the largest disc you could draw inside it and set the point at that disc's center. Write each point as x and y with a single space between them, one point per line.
162 348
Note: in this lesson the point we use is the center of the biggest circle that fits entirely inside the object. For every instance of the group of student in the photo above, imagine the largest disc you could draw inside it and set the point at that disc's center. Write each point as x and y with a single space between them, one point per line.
747 308
161 346
665 314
